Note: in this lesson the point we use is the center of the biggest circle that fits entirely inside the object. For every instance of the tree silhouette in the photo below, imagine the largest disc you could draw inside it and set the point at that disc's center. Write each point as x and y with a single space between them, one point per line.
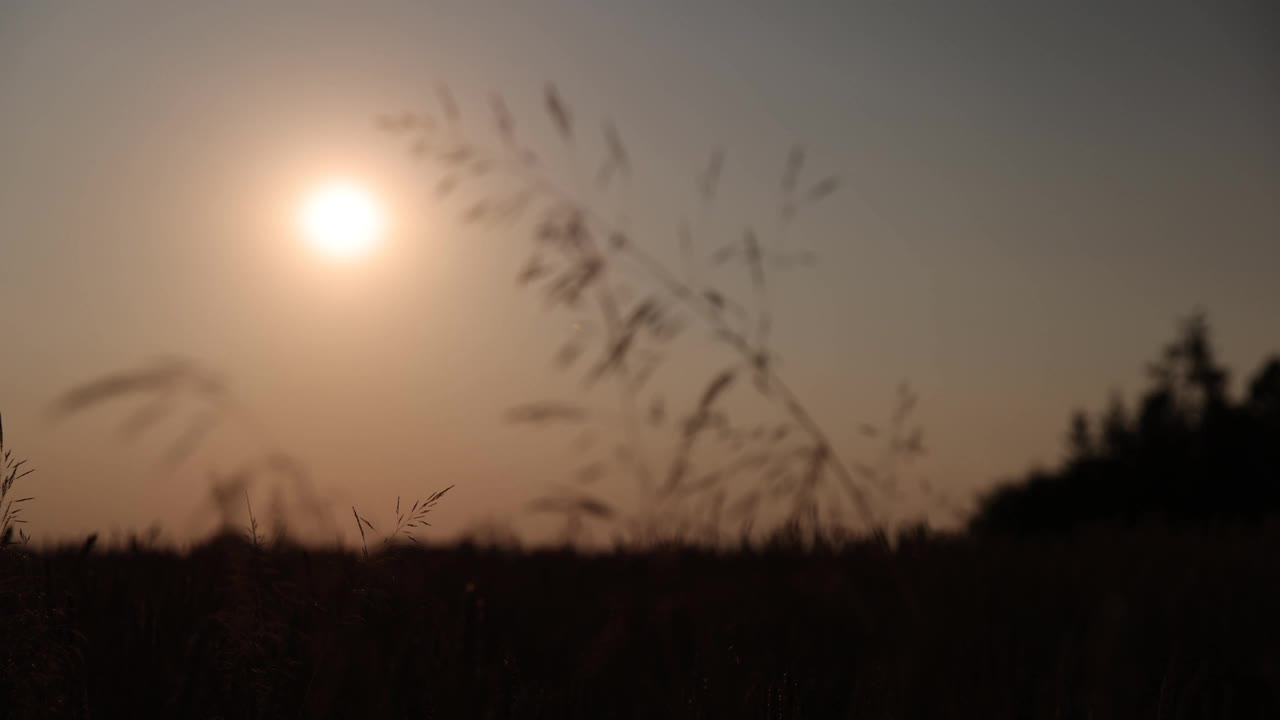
1187 453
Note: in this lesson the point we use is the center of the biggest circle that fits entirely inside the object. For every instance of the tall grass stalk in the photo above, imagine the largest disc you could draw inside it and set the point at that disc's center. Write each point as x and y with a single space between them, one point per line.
11 471
579 257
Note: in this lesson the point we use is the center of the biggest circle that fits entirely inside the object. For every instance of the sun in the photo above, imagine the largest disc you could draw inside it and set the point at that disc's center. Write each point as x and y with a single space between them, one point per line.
342 220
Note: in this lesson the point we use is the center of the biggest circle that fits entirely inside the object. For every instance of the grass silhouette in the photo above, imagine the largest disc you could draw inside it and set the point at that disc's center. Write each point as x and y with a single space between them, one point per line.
1108 624
11 471
579 259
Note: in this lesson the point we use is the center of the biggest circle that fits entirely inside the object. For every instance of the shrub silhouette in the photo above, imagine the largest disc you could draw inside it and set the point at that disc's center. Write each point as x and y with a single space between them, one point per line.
1187 454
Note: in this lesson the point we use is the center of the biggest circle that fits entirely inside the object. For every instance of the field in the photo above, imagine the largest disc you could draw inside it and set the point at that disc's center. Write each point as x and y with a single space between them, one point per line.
1116 624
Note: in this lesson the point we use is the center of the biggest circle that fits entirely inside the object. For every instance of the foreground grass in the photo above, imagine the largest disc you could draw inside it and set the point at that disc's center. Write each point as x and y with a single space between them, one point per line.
1116 625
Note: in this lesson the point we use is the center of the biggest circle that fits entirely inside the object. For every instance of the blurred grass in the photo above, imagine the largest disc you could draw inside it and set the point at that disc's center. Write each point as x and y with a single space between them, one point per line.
1113 624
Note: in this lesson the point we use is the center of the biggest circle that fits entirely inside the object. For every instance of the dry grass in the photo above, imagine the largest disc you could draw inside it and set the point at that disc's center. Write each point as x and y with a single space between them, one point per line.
11 471
580 258
188 402
1149 623
408 522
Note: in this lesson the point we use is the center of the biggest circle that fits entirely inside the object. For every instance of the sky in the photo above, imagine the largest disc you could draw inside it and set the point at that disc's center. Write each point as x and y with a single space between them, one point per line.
1032 195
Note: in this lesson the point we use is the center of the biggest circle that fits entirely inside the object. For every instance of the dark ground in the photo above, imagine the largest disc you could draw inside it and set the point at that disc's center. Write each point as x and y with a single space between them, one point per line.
1135 624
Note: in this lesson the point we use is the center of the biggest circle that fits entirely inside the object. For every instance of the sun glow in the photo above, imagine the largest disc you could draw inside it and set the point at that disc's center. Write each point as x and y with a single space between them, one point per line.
341 220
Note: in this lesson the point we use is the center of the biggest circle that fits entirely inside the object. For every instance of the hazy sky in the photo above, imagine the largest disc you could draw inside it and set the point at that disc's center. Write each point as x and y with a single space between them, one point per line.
1034 194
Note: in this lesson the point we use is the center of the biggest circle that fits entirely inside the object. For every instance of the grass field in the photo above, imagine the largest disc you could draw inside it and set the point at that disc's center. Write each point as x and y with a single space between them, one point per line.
1135 624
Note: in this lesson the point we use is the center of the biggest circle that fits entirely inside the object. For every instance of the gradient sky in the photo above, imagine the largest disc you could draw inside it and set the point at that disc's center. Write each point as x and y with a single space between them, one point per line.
1035 193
